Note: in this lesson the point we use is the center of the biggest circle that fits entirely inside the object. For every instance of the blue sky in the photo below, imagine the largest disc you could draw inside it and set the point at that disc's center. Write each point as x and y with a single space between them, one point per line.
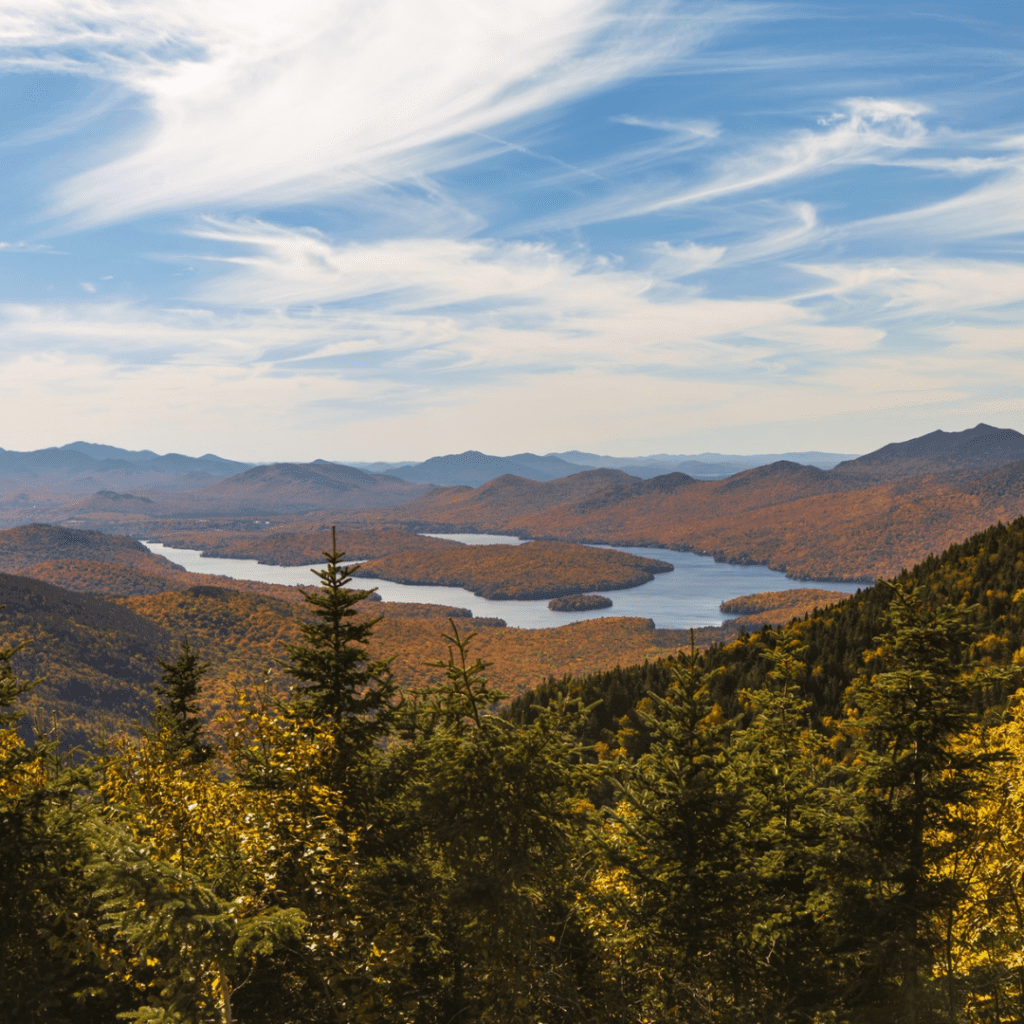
398 228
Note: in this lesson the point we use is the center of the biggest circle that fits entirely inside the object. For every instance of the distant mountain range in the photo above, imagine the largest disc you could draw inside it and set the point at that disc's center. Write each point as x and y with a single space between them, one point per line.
558 496
474 468
81 467
119 479
706 466
864 518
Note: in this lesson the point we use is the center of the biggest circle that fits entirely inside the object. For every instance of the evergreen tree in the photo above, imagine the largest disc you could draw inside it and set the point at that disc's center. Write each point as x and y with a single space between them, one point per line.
675 831
912 779
337 682
778 768
176 707
493 926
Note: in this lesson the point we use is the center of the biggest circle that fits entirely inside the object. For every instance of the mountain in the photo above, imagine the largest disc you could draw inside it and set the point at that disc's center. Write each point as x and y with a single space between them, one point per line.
83 467
98 660
87 560
474 468
108 451
965 451
865 518
302 487
707 466
508 498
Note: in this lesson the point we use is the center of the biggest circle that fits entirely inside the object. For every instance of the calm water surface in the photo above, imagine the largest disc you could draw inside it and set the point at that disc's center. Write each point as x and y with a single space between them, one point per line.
688 596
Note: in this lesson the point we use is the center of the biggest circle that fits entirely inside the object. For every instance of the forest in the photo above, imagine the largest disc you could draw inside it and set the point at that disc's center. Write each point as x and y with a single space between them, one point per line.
819 823
503 572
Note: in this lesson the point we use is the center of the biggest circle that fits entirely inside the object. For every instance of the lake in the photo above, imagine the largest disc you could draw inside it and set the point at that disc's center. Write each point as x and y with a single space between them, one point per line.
688 596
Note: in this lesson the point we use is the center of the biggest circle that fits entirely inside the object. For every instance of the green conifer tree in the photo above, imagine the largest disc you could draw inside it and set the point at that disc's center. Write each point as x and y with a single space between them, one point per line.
176 707
910 779
778 769
677 816
494 820
336 679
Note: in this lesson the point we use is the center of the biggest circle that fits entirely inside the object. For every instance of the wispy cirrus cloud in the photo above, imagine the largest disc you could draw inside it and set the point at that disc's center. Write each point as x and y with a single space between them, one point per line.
277 103
510 303
992 209
861 131
35 247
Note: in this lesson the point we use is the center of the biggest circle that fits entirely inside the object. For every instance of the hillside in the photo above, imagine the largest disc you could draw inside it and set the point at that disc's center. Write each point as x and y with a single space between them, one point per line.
295 487
865 519
88 561
97 659
983 576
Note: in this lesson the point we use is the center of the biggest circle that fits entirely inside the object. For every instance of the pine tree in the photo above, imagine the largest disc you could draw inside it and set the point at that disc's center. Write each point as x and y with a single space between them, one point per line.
675 833
337 682
913 778
176 708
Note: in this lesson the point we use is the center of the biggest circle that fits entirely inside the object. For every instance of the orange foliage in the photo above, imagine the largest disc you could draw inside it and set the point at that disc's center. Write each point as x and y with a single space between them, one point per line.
796 519
777 607
522 658
774 600
528 572
290 548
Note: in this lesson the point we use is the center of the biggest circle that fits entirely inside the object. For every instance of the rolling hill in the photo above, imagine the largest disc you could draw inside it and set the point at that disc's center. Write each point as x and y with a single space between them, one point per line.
474 468
300 487
866 518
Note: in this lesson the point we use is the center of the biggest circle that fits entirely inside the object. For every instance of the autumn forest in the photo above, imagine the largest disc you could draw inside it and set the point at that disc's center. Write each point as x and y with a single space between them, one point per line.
229 802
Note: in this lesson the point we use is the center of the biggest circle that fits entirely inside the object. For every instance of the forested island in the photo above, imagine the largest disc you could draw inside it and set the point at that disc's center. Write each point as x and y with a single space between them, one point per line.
579 603
816 823
502 572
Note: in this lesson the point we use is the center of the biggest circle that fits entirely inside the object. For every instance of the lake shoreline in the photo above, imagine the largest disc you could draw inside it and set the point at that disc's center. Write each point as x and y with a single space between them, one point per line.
687 597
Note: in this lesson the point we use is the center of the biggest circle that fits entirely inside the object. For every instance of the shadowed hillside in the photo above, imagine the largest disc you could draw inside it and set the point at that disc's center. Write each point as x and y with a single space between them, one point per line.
97 659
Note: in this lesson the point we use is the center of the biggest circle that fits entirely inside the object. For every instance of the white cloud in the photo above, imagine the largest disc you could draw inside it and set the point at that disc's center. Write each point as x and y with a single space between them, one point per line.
506 304
993 209
672 261
277 102
981 338
862 131
27 247
920 287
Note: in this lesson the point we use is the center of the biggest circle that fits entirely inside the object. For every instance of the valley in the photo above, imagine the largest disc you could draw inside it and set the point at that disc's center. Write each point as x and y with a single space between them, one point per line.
104 616
863 518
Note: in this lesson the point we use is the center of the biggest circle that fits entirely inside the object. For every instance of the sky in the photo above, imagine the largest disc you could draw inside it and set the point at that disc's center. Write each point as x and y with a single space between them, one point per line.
394 229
